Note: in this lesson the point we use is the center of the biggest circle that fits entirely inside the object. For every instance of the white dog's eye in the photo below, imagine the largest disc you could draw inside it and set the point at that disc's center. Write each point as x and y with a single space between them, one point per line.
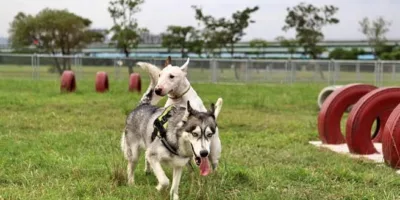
195 134
171 76
209 135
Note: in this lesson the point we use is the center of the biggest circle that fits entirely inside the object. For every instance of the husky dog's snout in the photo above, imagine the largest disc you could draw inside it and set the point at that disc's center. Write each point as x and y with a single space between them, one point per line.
203 153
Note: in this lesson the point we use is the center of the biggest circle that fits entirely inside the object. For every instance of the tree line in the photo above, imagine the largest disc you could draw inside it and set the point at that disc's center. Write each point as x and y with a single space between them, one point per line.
60 31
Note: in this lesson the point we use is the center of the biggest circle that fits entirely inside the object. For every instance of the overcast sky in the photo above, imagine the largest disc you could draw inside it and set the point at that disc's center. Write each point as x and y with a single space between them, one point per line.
156 15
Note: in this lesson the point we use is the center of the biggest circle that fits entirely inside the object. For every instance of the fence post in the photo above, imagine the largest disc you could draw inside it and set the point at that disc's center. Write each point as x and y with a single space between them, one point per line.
286 71
115 68
213 70
75 63
329 71
33 66
38 67
358 75
248 62
393 72
335 69
292 71
380 72
376 73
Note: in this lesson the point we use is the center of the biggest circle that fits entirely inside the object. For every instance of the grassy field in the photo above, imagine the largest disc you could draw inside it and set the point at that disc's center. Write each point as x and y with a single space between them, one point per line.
66 146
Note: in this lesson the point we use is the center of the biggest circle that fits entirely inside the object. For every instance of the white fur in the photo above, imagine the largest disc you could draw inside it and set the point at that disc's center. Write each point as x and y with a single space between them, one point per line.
175 87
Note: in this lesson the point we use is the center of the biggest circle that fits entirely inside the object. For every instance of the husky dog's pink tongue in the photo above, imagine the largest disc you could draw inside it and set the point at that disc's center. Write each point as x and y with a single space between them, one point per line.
204 167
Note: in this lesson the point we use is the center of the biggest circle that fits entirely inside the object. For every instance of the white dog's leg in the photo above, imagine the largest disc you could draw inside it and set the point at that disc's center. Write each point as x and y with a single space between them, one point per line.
163 180
177 174
215 150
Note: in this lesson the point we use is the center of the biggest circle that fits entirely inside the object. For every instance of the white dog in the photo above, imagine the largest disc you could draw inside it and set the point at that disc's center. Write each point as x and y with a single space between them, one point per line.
172 81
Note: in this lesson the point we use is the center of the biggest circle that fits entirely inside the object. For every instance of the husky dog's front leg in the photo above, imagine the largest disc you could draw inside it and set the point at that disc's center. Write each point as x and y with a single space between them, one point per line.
215 150
163 180
177 174
147 167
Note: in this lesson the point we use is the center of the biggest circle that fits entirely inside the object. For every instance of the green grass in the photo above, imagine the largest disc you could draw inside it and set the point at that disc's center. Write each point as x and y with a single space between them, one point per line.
66 146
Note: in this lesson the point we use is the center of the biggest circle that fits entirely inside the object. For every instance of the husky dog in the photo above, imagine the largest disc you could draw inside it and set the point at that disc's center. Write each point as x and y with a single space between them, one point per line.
172 81
171 135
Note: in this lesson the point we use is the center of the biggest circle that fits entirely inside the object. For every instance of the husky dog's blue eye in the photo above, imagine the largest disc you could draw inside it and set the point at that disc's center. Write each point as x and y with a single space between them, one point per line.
171 76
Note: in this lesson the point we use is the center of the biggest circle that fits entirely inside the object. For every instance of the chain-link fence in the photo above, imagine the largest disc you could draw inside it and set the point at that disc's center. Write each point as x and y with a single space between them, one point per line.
44 67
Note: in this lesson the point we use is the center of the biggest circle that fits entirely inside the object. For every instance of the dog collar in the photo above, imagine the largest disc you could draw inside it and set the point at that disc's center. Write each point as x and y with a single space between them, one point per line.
177 97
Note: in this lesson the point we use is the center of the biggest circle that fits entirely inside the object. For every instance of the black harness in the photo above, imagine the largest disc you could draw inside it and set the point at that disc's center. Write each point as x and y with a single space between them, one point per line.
160 126
160 130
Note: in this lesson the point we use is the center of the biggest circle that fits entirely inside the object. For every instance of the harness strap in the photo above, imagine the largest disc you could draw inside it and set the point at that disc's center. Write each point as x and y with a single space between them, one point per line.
160 129
161 123
169 147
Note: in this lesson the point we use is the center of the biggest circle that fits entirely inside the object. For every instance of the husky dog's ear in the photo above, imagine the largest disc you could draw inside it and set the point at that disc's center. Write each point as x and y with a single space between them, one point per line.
212 110
189 111
217 108
185 66
168 61
189 108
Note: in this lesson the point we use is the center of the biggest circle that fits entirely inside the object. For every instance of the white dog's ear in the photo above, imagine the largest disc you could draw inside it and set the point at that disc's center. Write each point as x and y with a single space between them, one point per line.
185 66
168 61
218 107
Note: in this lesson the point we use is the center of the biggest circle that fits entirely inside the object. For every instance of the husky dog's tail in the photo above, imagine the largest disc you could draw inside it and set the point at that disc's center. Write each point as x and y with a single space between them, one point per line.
149 97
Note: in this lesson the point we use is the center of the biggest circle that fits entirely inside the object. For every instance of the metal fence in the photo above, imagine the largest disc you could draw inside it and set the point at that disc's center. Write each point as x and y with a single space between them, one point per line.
44 67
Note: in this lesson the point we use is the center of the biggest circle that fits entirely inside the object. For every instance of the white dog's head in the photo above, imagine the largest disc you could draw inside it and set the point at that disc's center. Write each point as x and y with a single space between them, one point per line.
198 129
170 78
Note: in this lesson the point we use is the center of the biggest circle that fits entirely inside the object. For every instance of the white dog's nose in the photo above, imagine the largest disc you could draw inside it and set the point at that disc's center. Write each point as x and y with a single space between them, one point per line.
158 91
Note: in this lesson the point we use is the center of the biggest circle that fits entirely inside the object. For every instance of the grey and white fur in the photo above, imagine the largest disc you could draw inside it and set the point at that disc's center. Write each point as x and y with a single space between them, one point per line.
189 132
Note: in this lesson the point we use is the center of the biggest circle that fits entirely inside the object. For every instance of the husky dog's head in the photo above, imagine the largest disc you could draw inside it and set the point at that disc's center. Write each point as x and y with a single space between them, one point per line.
170 77
198 129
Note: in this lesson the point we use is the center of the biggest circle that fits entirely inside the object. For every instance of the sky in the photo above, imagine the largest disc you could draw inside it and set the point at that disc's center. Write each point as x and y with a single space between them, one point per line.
156 15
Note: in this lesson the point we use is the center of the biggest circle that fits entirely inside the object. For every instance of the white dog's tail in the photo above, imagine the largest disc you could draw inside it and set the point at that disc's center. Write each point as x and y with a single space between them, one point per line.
218 107
149 96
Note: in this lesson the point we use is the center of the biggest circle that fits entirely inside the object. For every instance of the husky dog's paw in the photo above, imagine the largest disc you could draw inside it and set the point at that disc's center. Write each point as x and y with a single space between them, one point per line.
162 185
131 181
214 166
173 196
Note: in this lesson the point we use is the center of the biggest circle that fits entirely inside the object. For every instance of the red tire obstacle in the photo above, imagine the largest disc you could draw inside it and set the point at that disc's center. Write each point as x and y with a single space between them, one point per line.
135 83
68 83
101 82
391 139
378 103
333 108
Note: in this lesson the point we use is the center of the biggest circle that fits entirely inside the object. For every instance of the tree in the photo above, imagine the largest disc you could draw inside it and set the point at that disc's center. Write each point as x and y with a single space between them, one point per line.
290 44
375 32
260 44
226 32
343 54
214 40
196 43
53 31
178 37
308 22
125 31
389 52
